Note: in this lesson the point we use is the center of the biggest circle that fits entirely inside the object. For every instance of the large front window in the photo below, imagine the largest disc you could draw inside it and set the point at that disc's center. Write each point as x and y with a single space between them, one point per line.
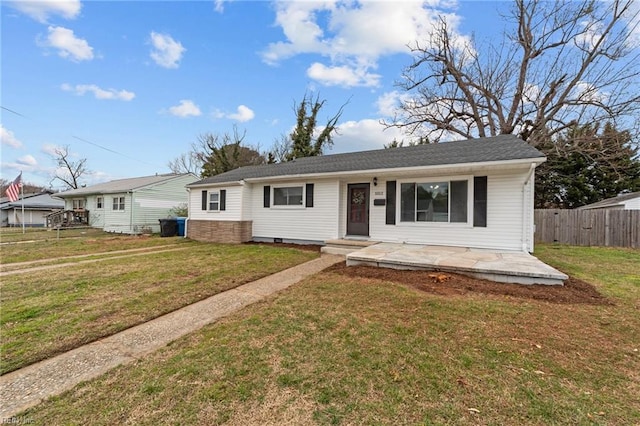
444 201
287 196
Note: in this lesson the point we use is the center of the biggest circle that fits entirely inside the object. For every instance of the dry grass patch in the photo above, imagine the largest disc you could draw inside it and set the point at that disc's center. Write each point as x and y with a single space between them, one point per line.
340 349
48 312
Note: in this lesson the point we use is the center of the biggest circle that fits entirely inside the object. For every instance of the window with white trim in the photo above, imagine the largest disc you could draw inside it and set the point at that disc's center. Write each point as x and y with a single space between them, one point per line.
99 202
214 201
442 201
78 204
118 203
288 196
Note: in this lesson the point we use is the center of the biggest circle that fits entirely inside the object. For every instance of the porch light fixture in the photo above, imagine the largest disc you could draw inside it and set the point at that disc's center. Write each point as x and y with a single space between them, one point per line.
375 181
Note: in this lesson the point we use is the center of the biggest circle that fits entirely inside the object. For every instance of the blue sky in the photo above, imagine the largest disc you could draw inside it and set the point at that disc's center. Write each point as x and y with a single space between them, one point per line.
130 85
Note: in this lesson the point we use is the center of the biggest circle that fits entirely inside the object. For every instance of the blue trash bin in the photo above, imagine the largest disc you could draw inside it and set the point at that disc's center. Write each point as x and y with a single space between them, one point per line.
181 222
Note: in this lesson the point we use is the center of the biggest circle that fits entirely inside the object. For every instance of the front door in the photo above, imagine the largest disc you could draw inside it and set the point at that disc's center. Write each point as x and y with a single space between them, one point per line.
358 209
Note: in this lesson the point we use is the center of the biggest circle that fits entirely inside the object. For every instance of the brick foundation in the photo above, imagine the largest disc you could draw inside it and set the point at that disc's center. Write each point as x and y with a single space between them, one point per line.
220 231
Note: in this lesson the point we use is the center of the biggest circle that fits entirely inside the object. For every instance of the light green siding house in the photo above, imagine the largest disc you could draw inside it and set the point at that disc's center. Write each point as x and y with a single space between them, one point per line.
130 206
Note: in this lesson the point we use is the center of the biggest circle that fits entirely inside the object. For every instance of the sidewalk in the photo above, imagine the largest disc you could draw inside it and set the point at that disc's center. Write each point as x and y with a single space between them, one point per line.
31 385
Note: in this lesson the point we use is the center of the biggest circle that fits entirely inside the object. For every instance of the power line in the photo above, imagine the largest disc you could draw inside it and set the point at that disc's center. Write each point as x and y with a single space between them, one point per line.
111 150
89 142
12 111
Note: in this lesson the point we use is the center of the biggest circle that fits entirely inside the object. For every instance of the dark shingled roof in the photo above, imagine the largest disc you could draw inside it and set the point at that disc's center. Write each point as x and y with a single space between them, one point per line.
498 148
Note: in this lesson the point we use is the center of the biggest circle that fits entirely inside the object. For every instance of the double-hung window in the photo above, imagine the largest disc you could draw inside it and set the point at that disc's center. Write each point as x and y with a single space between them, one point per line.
214 201
99 202
118 203
287 196
78 204
441 201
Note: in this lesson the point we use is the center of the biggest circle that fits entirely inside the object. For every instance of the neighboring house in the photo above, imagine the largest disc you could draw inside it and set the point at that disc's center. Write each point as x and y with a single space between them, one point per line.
36 208
630 201
129 206
473 193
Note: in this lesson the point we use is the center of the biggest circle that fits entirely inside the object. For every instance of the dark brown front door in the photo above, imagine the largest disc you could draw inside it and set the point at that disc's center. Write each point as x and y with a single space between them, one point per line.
358 209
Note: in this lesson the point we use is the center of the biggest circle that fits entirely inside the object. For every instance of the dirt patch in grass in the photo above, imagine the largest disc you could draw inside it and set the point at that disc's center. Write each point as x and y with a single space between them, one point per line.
575 291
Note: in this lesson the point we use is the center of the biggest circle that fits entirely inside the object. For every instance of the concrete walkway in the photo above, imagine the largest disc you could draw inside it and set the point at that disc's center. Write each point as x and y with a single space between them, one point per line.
31 385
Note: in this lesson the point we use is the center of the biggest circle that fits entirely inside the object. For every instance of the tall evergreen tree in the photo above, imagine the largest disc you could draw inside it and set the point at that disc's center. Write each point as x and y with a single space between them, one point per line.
587 164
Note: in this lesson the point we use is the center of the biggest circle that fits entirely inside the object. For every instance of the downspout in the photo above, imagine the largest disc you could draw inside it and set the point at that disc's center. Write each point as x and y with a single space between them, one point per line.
131 215
186 221
525 209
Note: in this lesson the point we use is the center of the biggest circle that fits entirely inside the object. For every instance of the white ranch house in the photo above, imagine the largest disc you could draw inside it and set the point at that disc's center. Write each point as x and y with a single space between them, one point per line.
129 206
475 193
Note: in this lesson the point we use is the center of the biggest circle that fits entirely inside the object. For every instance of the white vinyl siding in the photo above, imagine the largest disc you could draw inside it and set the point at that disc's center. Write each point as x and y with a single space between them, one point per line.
317 223
504 228
233 204
633 204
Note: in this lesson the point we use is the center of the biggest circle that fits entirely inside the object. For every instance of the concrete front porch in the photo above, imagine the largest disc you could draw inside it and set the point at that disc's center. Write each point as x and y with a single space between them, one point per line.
500 266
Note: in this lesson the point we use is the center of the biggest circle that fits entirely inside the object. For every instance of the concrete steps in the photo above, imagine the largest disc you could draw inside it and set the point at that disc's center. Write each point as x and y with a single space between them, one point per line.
343 247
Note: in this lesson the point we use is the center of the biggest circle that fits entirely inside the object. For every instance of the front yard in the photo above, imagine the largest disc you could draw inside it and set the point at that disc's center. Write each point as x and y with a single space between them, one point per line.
49 311
343 349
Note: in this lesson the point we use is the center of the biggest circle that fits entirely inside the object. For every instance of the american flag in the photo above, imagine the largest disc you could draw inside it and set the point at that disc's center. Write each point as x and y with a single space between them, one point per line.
14 189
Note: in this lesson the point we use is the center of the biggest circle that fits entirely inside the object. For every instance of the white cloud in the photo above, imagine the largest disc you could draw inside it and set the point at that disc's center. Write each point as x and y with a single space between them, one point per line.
40 10
27 160
186 109
342 76
243 114
99 93
388 103
587 92
8 138
354 34
166 51
363 135
50 149
68 45
219 5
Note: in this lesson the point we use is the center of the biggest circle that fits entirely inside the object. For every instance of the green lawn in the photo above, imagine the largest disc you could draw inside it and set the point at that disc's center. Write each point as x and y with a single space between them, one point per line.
51 311
93 243
346 350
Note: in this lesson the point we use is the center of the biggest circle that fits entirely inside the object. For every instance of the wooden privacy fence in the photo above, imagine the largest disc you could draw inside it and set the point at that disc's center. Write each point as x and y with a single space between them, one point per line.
602 227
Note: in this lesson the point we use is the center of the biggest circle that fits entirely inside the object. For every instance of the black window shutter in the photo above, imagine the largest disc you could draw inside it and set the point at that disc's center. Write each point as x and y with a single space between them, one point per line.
204 200
391 202
480 201
267 196
223 199
309 195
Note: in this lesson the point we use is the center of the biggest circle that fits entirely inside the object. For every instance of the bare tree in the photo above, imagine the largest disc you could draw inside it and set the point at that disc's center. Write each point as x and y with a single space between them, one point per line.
223 152
560 63
68 172
188 162
280 149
